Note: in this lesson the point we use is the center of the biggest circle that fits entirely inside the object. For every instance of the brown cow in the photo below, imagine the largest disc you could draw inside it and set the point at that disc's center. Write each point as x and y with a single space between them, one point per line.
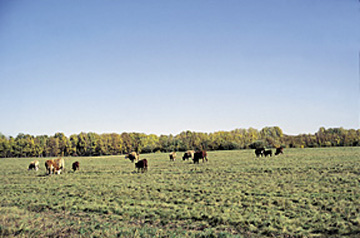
279 150
76 166
133 156
60 163
34 165
172 156
188 154
52 167
200 155
141 164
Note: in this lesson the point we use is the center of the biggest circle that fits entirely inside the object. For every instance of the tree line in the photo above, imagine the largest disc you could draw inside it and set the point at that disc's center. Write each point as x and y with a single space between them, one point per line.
93 144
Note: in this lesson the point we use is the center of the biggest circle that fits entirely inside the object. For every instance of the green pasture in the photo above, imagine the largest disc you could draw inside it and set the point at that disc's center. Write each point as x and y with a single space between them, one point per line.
302 193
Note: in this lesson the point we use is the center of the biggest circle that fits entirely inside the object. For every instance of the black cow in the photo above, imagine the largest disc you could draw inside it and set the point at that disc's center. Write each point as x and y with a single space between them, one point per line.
279 151
200 155
188 154
133 156
259 152
268 152
34 165
76 166
142 164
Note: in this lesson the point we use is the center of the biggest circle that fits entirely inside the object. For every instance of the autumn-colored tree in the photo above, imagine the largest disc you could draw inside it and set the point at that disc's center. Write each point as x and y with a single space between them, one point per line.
93 144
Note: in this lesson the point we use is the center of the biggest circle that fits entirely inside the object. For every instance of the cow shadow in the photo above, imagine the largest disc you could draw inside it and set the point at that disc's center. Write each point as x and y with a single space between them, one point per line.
42 175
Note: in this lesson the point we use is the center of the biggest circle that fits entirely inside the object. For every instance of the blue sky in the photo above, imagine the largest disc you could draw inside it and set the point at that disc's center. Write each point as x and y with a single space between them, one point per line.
168 66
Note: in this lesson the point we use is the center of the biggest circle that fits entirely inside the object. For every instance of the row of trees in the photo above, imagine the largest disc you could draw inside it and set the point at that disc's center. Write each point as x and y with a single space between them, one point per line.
92 144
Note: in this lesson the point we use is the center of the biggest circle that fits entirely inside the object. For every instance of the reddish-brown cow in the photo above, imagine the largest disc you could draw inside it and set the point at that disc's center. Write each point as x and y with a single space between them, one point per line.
52 167
141 165
76 166
279 151
200 155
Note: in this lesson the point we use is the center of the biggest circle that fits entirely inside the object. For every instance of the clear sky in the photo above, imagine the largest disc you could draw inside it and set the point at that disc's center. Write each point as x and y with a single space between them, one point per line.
166 66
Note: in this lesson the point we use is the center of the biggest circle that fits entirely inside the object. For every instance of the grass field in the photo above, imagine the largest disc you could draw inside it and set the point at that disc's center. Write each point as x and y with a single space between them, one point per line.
303 193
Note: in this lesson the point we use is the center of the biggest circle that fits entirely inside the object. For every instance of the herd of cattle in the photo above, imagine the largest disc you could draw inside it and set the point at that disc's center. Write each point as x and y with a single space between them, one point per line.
53 166
142 165
262 152
56 166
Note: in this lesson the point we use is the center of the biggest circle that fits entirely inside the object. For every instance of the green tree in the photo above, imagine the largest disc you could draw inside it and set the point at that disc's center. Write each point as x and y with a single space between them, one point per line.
64 144
127 141
52 147
74 140
116 145
4 147
150 143
82 145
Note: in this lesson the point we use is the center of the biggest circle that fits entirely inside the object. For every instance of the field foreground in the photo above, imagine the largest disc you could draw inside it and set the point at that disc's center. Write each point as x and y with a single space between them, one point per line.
303 193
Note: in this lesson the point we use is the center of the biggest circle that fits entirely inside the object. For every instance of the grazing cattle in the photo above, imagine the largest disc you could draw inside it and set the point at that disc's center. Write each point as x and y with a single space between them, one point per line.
60 163
172 156
76 166
268 152
34 165
279 151
200 155
141 164
188 155
133 156
52 167
259 152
